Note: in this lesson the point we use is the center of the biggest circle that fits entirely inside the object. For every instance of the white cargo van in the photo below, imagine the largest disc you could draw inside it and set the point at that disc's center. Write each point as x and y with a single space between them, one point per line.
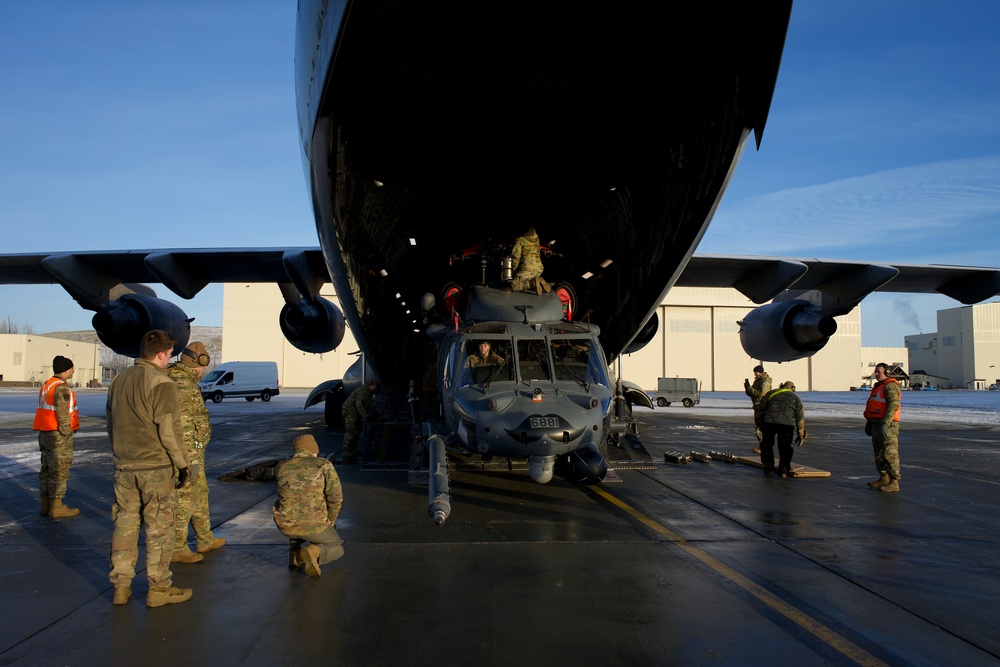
236 379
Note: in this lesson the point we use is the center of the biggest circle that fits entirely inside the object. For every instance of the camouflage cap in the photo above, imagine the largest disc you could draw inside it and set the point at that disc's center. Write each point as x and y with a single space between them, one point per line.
788 384
306 442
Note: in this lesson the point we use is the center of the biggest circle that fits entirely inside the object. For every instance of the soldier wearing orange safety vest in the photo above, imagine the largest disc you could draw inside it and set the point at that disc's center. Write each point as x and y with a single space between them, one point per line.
56 420
882 413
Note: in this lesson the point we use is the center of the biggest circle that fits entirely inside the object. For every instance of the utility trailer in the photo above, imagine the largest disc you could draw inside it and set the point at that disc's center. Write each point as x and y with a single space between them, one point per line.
674 390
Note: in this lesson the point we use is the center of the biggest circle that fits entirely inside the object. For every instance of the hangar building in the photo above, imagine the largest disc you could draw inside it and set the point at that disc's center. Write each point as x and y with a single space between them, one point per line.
698 337
963 353
27 358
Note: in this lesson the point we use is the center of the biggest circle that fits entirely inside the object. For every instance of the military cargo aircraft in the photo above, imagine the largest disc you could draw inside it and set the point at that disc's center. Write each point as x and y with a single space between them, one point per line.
433 134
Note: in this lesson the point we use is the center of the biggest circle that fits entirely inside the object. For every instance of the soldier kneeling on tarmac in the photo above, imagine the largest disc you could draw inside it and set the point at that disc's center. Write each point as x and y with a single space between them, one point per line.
309 500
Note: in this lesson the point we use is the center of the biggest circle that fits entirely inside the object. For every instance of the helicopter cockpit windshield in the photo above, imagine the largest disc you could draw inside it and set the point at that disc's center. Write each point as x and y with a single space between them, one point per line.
485 355
485 361
579 360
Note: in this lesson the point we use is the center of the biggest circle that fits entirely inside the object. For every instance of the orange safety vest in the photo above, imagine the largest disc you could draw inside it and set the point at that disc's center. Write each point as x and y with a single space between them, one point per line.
875 409
46 418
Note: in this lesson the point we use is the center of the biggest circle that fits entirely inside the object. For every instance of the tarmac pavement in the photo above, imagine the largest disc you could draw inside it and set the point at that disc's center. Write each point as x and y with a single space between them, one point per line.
683 564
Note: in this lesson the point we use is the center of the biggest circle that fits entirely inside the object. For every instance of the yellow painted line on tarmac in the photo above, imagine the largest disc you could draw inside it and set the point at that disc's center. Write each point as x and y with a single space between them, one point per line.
825 634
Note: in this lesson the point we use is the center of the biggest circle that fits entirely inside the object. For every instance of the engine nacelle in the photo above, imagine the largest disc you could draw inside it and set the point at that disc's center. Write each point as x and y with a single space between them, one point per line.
312 325
123 323
785 331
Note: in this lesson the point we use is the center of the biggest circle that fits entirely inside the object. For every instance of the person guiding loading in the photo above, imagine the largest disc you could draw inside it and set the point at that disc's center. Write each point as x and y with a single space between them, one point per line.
355 411
761 386
192 498
780 415
56 420
309 500
484 356
147 445
882 413
526 263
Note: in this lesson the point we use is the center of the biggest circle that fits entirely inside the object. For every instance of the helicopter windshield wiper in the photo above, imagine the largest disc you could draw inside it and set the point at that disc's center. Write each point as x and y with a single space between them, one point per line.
495 373
562 364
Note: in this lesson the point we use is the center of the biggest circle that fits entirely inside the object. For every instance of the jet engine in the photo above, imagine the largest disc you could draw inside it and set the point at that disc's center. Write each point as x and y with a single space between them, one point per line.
123 322
312 325
786 330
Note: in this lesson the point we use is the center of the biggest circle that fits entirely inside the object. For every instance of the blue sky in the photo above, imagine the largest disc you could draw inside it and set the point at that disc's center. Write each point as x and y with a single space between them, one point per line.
149 125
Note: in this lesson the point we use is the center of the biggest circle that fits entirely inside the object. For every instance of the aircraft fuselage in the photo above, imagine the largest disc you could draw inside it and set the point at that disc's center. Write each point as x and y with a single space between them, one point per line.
430 128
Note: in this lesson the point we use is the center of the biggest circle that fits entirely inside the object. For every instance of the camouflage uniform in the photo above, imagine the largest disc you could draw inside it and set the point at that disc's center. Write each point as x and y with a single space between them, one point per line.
309 501
525 261
490 358
143 495
355 410
192 498
144 426
779 413
885 433
56 448
761 386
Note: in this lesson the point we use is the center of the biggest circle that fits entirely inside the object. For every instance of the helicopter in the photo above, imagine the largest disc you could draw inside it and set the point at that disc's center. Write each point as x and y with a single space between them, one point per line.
518 379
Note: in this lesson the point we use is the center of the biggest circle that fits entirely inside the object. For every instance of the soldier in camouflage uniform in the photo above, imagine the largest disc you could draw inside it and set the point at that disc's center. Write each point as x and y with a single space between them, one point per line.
355 411
56 419
485 356
882 413
526 263
780 413
309 500
147 443
192 499
761 385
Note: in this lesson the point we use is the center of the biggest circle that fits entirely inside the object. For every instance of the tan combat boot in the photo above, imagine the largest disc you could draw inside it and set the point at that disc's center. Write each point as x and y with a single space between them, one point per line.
880 482
44 511
891 487
157 597
215 544
310 559
186 556
122 595
59 511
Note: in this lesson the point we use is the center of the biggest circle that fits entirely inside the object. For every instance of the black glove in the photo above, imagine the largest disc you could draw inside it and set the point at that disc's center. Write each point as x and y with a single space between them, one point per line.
868 429
182 477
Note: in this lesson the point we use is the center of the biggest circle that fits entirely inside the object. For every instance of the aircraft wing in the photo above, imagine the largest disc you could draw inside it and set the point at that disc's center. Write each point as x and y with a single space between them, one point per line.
185 272
112 283
806 293
761 279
